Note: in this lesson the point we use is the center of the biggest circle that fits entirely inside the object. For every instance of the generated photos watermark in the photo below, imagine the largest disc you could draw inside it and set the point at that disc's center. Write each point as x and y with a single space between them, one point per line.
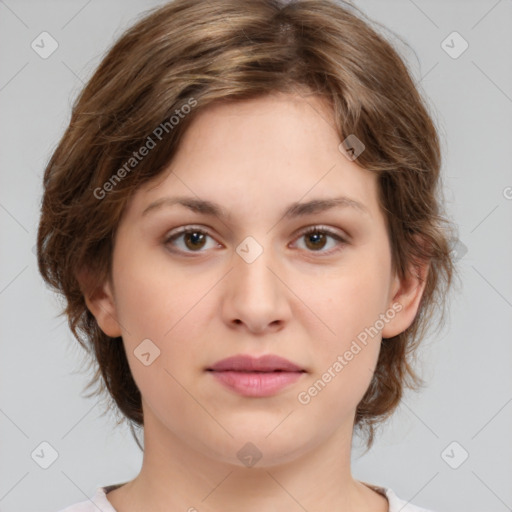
361 341
150 143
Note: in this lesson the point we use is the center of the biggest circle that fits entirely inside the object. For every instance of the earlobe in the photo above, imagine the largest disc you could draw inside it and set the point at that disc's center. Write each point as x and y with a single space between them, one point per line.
405 300
100 302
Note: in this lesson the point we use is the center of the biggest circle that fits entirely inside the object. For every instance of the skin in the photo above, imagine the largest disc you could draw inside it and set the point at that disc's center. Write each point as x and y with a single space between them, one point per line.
254 158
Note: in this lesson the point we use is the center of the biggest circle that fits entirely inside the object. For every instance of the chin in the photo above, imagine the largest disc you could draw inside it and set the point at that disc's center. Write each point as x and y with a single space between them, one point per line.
256 448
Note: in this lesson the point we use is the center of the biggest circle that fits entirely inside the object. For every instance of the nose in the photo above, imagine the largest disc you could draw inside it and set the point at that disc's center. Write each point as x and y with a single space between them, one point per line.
256 297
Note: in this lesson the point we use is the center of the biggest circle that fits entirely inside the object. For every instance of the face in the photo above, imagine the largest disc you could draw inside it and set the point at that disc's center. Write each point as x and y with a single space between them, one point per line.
251 280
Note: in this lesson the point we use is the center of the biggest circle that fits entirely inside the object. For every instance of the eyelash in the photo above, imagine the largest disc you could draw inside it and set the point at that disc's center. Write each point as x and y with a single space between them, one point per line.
313 229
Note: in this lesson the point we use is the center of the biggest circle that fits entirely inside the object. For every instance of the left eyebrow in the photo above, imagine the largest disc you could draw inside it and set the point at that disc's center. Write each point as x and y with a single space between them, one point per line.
296 209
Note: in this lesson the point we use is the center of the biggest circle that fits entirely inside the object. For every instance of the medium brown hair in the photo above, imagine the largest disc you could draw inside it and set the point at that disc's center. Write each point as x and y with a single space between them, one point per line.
229 50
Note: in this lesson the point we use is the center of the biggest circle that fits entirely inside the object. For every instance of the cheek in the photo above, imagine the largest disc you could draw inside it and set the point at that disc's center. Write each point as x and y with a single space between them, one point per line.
155 299
352 300
152 309
344 362
172 309
350 304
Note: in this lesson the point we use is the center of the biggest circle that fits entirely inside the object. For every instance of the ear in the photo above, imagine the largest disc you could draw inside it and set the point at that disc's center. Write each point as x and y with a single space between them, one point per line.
405 299
100 302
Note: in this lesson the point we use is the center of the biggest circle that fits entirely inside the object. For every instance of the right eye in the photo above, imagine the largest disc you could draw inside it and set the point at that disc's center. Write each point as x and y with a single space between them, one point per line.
189 239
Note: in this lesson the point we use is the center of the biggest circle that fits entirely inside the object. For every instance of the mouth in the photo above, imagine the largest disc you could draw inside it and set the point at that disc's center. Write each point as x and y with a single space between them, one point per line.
256 377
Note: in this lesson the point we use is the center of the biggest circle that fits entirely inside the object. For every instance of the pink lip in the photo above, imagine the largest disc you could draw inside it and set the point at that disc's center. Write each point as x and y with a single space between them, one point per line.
256 377
266 363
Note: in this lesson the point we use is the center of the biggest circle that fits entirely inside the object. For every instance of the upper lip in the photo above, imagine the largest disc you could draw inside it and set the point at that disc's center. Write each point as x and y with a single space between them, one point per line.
247 363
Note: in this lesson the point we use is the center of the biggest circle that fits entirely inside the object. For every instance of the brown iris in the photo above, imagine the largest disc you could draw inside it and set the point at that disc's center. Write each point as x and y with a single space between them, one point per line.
317 240
194 240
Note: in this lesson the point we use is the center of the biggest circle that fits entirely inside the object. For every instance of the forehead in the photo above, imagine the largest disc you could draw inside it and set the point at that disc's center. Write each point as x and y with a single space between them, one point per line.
277 149
274 123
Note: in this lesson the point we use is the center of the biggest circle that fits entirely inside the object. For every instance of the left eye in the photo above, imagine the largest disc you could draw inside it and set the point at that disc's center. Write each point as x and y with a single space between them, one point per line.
317 238
195 239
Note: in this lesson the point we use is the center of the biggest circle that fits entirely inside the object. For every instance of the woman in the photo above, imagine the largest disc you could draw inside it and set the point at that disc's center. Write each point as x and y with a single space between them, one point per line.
243 217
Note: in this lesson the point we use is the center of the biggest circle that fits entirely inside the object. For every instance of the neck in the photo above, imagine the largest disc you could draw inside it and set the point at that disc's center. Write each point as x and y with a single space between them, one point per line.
176 476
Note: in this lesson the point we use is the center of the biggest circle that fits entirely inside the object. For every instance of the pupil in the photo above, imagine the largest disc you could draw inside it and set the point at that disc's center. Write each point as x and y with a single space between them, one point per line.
195 237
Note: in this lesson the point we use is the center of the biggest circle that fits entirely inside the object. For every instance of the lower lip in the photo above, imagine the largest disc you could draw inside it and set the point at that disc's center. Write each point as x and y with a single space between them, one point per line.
256 384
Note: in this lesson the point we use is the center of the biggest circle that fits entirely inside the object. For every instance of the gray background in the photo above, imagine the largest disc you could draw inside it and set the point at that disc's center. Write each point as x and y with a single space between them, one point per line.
467 367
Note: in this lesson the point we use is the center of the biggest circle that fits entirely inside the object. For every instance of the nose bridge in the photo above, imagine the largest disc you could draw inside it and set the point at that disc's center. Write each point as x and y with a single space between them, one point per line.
255 294
252 270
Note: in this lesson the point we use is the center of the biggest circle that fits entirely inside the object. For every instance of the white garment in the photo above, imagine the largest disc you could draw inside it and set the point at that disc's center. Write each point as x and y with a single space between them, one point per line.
100 503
